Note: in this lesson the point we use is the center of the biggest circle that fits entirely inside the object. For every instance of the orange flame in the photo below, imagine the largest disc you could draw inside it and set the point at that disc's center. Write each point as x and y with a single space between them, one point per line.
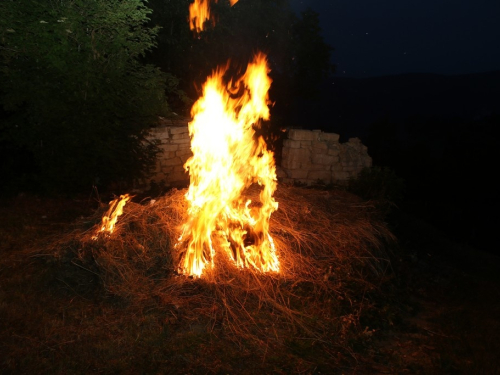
227 159
110 218
199 13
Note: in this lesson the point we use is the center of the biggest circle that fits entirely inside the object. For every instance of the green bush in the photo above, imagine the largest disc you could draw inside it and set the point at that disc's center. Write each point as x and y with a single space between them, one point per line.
75 93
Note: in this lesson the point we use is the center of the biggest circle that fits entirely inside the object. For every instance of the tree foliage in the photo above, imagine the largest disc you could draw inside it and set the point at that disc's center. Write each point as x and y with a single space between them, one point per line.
298 56
75 94
79 89
312 54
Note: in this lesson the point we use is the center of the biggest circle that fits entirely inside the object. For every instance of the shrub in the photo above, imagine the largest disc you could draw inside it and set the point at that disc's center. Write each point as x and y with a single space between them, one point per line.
379 184
75 93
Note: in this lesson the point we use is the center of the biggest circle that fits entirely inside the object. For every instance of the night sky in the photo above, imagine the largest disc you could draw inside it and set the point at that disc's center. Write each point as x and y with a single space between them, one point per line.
386 37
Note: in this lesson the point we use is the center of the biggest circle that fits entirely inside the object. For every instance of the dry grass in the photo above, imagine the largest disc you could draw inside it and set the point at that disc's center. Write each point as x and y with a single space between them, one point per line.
333 258
72 305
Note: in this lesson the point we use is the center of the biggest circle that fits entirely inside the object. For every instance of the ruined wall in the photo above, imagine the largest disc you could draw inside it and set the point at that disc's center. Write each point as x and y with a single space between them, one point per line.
175 146
309 157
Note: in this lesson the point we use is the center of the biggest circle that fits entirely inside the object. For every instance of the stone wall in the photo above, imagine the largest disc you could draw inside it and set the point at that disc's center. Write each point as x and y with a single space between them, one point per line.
309 157
175 146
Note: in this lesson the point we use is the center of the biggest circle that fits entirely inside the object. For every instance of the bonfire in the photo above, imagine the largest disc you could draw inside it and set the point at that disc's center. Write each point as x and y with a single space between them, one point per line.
220 252
332 249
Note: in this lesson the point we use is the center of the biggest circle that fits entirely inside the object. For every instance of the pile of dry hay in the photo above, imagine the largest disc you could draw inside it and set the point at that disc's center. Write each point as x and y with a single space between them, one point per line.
331 246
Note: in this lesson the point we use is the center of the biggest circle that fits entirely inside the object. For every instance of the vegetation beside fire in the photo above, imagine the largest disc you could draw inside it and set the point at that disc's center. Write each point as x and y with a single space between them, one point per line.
380 185
77 94
319 311
78 101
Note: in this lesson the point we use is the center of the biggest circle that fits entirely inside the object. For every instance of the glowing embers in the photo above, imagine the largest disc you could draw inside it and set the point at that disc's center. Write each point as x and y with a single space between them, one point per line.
229 160
111 216
199 13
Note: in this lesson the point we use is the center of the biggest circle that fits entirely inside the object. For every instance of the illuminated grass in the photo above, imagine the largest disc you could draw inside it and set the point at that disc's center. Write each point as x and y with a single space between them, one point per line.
120 297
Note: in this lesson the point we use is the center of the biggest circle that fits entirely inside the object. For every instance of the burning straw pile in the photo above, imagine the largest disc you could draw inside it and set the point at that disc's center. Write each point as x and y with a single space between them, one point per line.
332 253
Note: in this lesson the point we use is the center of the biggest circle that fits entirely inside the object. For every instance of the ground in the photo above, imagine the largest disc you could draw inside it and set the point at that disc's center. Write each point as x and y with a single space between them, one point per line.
455 292
440 312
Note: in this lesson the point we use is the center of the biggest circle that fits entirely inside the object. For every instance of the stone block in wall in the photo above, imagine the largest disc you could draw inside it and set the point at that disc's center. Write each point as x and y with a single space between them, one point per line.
179 173
336 160
302 154
184 154
160 134
290 163
322 159
280 172
336 167
165 169
173 122
184 149
180 122
291 143
294 157
329 137
319 147
168 147
178 136
171 162
179 130
306 144
315 167
181 140
347 154
297 173
185 158
179 168
302 135
185 146
334 149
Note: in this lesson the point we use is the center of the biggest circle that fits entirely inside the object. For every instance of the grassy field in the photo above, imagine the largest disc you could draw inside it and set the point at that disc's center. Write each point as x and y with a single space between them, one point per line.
353 296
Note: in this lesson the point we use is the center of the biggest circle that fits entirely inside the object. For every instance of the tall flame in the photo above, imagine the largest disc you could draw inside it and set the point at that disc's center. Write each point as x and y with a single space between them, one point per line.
199 13
229 158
